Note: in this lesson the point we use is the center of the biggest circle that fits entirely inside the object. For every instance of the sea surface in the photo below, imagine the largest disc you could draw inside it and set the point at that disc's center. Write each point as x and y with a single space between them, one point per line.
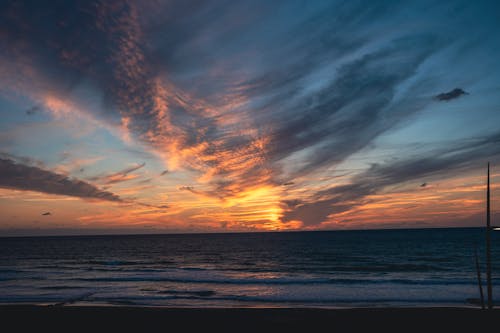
421 267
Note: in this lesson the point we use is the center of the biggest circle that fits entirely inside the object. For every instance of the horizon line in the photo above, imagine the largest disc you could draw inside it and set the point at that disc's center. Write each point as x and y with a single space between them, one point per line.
232 232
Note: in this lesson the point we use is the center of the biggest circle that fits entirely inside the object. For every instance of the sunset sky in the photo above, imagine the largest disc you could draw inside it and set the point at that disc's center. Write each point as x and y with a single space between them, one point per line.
223 116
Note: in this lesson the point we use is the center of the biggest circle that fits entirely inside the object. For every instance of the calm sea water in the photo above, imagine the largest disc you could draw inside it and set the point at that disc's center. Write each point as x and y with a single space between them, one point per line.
428 267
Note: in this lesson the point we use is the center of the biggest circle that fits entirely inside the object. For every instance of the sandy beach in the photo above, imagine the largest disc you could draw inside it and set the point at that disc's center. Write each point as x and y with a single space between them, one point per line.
150 319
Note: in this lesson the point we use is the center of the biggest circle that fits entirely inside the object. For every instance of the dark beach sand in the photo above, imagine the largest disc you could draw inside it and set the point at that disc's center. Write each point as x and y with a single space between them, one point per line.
149 319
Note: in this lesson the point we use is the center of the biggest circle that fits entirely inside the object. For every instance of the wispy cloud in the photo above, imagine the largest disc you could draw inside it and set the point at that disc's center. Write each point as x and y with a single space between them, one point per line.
193 130
339 199
118 177
202 90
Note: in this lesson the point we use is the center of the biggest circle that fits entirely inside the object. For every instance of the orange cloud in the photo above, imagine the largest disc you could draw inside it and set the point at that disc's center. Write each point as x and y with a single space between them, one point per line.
449 201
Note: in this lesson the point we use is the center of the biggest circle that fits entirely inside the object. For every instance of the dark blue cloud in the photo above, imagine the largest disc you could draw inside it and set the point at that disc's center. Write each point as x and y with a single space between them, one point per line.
452 94
19 176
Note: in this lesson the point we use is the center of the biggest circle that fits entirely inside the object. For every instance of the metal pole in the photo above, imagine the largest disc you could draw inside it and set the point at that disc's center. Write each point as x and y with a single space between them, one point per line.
479 282
488 244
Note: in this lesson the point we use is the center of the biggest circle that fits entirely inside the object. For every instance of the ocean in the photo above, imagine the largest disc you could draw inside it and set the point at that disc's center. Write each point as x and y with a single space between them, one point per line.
331 269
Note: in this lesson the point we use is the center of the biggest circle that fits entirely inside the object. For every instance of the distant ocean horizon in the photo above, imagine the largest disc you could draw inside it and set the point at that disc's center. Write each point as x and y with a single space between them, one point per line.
71 232
345 268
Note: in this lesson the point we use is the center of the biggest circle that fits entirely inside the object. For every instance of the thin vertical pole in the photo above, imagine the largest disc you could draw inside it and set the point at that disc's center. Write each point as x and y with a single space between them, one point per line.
488 243
479 282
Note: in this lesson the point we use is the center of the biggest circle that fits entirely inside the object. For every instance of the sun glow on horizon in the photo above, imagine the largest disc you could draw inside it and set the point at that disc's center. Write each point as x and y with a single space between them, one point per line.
171 117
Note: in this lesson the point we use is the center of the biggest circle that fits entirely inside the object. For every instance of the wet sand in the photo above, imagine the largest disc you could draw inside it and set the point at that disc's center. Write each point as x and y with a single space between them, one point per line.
150 319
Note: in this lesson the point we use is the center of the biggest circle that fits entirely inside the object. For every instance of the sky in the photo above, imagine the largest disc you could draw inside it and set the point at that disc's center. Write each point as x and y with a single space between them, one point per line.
234 116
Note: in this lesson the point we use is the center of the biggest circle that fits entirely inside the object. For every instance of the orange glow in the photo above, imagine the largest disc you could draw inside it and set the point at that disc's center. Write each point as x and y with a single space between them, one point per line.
449 201
249 198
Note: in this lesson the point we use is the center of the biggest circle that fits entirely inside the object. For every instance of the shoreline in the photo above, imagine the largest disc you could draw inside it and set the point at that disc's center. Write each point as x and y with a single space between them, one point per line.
249 319
287 306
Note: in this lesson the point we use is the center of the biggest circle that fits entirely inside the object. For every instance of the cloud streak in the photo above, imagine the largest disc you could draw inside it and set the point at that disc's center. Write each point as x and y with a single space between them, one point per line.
118 177
338 199
23 177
